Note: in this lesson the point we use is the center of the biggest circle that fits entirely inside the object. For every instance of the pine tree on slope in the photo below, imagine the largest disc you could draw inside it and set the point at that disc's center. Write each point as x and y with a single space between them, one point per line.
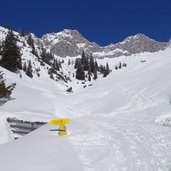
11 57
80 74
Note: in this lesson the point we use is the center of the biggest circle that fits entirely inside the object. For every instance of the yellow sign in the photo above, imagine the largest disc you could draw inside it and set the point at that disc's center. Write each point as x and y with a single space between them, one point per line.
61 123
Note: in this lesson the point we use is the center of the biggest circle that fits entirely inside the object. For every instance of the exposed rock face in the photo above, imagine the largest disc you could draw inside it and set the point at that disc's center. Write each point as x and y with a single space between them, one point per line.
141 43
72 43
68 43
136 44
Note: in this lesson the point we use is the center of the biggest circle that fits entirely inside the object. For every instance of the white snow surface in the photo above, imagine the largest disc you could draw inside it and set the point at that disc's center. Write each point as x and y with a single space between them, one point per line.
164 120
112 122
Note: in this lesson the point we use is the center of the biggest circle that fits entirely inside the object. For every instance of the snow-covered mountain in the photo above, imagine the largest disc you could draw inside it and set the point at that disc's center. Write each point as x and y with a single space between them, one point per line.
68 43
133 45
122 122
71 43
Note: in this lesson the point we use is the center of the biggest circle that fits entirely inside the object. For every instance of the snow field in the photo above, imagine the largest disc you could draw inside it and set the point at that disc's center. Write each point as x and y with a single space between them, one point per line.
113 123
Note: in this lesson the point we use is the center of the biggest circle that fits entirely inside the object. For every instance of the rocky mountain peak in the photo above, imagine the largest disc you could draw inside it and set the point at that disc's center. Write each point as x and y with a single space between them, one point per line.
68 43
71 32
138 38
138 43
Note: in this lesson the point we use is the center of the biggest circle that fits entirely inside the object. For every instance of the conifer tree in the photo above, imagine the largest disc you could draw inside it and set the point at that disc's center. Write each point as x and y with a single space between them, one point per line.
89 73
89 77
30 41
58 65
83 57
5 91
80 74
76 63
29 70
69 62
0 49
24 67
96 65
120 65
107 69
124 64
84 61
95 74
11 57
92 64
43 54
101 69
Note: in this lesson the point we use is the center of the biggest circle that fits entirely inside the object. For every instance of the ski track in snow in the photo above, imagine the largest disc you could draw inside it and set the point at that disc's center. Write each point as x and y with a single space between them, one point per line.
138 102
119 142
123 145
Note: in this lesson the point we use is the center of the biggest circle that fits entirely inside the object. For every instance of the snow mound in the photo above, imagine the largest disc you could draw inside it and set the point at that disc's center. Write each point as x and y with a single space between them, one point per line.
41 150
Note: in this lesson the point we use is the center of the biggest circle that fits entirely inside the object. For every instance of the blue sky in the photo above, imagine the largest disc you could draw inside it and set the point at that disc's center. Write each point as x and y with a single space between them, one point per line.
100 21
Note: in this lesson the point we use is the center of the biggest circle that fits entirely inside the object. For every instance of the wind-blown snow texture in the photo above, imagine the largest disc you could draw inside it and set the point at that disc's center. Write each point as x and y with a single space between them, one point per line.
113 123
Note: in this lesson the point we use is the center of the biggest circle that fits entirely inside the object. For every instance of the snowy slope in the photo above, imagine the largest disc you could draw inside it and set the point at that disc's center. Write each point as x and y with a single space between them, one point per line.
40 150
113 123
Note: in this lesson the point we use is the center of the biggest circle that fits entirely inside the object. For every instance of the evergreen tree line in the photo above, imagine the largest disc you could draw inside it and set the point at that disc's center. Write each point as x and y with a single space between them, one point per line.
48 58
89 64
